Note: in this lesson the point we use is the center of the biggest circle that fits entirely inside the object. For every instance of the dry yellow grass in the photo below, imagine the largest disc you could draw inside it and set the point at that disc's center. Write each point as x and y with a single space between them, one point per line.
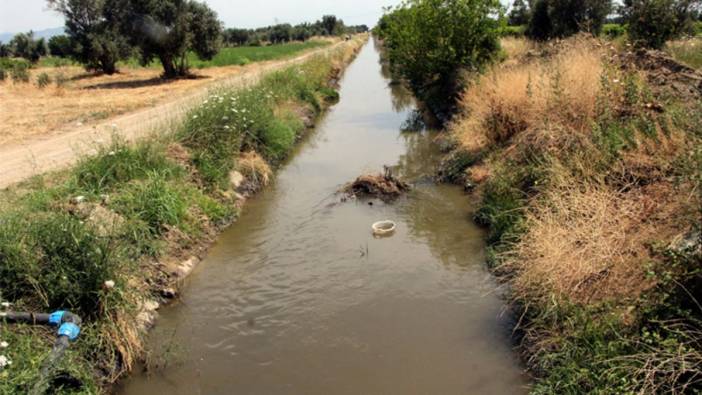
517 48
27 110
584 242
255 168
536 96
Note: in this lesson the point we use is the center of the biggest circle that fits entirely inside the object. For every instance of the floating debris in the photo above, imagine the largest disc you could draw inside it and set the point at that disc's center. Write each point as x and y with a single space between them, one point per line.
382 186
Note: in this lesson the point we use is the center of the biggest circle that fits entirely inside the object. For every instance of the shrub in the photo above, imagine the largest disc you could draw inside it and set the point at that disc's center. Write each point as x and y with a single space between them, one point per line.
60 79
43 80
2 74
653 22
613 30
513 31
20 72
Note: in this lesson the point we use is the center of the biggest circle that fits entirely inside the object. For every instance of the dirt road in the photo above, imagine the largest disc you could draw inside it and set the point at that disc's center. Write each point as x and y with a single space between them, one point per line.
63 148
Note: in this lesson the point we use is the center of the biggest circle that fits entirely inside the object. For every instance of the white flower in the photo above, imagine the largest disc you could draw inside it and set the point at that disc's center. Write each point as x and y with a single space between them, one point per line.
4 361
194 116
5 304
111 153
4 345
109 284
225 118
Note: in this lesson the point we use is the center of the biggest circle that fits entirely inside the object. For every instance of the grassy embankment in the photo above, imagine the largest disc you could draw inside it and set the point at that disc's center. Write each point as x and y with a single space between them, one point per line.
126 212
589 179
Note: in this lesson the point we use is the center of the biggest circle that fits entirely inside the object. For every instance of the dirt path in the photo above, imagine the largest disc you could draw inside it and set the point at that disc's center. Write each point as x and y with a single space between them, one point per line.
62 148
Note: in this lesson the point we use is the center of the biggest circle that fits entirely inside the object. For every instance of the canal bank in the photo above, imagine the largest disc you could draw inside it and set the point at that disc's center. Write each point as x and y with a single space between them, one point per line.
298 297
109 236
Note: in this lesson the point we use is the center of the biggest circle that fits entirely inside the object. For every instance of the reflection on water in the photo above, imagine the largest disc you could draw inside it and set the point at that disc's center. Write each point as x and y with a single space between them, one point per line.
299 298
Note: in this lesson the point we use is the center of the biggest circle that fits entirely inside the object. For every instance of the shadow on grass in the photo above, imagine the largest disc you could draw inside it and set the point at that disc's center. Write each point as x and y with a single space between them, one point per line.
143 82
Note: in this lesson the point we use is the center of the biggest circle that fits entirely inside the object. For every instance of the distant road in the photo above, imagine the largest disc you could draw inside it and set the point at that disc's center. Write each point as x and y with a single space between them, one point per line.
54 152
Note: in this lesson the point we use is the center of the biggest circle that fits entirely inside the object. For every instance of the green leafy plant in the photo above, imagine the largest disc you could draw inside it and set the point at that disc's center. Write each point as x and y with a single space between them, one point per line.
43 80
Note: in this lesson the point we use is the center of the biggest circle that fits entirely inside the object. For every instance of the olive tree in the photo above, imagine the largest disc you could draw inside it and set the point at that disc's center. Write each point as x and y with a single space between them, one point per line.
91 28
60 46
168 30
331 24
23 45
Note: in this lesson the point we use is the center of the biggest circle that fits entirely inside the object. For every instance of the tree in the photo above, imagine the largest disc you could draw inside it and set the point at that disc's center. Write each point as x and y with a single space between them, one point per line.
280 34
653 22
430 42
539 27
24 45
302 32
236 37
330 24
4 50
60 46
91 27
563 18
519 14
168 30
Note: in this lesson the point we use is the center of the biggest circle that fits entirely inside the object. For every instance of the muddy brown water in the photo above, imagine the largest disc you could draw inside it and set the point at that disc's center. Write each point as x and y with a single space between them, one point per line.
299 298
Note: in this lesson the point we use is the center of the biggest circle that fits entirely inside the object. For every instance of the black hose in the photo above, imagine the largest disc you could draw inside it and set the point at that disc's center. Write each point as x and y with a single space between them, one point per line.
68 330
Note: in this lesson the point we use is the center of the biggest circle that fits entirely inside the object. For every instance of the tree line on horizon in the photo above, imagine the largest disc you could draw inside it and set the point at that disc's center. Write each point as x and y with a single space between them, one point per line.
100 33
648 23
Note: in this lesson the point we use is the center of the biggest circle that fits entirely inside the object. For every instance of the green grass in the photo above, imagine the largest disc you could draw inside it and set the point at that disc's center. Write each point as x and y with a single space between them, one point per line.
55 254
230 121
239 56
53 61
687 51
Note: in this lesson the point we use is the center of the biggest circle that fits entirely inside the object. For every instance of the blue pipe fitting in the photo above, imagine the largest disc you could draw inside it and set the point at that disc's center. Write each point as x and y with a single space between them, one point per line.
70 330
56 318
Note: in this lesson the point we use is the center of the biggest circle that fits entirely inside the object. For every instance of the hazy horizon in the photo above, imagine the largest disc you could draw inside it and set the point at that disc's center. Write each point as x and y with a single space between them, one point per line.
24 15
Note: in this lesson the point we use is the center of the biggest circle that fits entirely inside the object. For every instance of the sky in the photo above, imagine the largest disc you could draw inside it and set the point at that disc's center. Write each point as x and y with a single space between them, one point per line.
23 15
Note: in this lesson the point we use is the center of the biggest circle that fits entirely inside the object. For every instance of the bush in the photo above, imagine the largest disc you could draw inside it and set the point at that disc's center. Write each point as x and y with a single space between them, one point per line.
2 74
613 30
20 72
512 31
654 22
61 80
430 42
43 80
